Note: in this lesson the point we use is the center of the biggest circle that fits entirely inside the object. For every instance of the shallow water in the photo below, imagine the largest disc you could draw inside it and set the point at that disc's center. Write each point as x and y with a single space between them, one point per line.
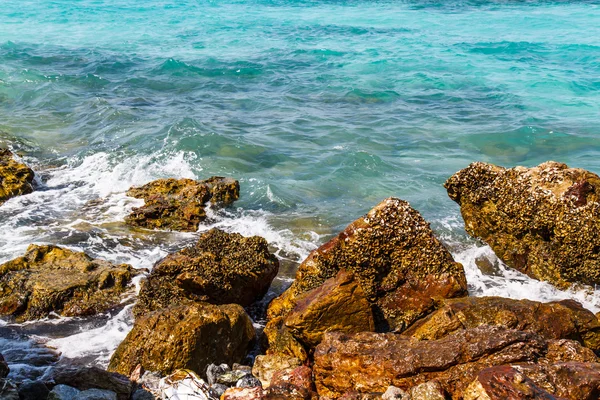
320 108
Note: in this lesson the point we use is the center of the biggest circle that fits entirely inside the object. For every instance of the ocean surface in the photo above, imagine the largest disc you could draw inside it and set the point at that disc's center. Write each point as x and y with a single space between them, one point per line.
320 108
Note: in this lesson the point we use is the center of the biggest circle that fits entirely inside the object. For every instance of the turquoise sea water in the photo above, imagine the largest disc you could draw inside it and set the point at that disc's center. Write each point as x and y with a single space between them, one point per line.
320 108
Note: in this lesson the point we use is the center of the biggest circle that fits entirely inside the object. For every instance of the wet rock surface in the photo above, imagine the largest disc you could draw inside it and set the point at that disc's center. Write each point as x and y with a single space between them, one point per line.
86 378
554 320
179 204
402 269
371 362
185 337
51 279
339 305
15 178
543 221
4 369
220 268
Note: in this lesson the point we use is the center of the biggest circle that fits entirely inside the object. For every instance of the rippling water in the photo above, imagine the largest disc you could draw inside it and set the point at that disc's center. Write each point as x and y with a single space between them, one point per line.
320 108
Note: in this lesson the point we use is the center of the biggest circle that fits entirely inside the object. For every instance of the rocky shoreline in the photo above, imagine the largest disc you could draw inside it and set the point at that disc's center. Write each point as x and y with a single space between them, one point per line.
381 311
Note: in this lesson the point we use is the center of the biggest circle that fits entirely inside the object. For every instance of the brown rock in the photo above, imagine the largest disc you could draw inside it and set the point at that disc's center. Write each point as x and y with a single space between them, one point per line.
189 336
221 268
505 383
52 279
279 340
178 204
339 305
265 366
255 393
371 362
569 380
431 390
15 178
84 378
543 221
554 320
401 267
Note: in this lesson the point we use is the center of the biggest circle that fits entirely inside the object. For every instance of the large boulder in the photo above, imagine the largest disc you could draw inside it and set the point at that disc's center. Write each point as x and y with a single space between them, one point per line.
221 268
568 380
179 204
15 178
402 268
190 336
555 320
50 279
371 362
543 221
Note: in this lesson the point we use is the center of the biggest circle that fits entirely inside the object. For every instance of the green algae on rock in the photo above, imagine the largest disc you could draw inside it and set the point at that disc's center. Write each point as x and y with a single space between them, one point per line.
220 268
15 178
179 204
190 336
402 268
50 279
543 221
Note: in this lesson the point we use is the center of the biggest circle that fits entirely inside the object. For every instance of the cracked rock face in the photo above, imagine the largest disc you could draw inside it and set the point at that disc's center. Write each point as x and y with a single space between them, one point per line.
402 269
15 178
543 221
50 279
179 204
371 362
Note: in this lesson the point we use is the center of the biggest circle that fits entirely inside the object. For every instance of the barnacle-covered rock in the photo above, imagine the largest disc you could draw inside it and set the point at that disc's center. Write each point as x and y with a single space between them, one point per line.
179 204
221 268
53 279
402 269
15 178
543 221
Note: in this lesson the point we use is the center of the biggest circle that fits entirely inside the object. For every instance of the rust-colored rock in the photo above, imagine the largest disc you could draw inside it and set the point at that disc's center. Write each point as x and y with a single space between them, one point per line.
53 279
554 320
189 336
543 221
339 305
371 362
179 204
300 377
505 383
401 267
568 380
15 178
221 268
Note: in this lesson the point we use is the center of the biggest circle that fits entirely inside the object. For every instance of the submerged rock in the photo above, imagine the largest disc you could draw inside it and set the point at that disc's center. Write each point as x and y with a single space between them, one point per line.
189 336
371 362
15 178
543 221
179 204
402 270
51 279
4 370
220 268
85 378
554 320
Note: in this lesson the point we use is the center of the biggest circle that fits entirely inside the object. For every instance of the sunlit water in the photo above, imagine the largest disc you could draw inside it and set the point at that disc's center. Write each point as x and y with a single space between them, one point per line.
320 108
